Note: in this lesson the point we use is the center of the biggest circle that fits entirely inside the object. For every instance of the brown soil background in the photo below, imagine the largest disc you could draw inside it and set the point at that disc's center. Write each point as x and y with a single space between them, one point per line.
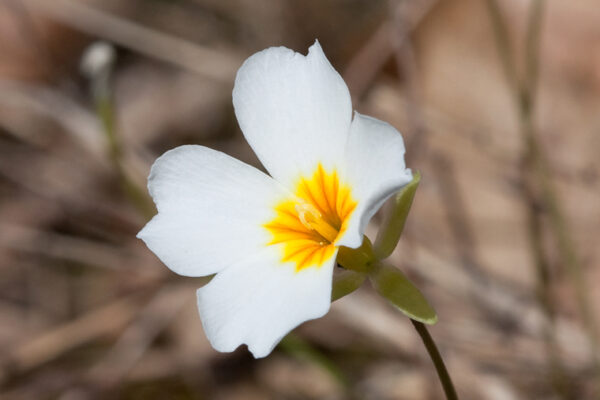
87 312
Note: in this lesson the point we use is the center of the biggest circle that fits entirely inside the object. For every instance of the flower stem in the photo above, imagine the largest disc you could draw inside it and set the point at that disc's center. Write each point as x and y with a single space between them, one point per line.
434 353
136 195
536 163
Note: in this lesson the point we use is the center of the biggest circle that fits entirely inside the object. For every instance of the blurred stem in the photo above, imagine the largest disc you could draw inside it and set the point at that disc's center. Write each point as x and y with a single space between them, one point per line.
532 55
558 374
436 357
504 48
301 349
536 163
137 197
525 101
566 245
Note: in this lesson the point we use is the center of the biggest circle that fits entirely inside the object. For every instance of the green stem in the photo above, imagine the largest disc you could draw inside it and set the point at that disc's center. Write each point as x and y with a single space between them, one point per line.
134 193
501 37
540 163
434 353
301 349
536 162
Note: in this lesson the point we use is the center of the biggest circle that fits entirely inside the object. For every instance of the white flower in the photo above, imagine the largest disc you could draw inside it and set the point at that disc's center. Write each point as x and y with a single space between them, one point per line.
96 58
273 240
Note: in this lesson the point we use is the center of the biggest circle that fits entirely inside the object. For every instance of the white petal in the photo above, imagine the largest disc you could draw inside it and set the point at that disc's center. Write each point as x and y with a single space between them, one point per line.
375 170
294 110
258 301
211 208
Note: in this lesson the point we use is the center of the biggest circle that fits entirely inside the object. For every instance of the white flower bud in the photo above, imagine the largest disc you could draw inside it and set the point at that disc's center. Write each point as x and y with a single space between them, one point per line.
97 59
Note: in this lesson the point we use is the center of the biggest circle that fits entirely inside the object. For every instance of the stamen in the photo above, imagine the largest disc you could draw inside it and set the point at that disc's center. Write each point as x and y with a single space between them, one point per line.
312 219
307 214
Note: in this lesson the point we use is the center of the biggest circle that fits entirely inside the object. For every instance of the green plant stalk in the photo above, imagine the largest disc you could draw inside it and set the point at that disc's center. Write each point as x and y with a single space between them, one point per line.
558 222
559 377
523 104
389 281
301 349
524 95
437 359
137 197
504 48
566 247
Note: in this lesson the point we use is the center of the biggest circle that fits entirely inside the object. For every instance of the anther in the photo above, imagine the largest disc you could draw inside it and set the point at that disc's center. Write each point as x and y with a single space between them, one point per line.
312 219
308 214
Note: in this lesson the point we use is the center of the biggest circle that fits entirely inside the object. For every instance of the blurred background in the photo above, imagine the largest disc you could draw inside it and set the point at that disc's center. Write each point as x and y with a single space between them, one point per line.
498 102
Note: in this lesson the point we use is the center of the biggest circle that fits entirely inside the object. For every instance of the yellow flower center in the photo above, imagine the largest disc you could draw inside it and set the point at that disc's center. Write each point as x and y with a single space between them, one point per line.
308 226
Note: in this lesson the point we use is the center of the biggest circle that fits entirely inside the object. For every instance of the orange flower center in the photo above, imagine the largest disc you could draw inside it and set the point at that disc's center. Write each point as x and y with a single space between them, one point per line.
308 226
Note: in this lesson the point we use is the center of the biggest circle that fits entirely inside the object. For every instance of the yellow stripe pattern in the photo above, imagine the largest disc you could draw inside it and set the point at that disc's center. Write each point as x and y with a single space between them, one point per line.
302 244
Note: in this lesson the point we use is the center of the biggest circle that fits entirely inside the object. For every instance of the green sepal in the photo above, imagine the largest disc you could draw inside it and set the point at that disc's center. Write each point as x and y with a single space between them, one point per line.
360 259
391 229
345 282
393 285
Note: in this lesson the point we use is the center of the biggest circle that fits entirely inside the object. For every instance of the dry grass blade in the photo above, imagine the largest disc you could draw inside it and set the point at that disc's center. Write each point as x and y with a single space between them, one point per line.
191 56
106 320
86 311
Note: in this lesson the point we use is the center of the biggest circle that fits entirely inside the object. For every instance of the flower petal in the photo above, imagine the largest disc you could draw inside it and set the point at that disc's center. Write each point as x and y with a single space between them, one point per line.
211 208
259 300
294 110
375 170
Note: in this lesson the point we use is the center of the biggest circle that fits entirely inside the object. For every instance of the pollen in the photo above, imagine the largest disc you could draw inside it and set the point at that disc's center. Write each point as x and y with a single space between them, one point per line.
308 226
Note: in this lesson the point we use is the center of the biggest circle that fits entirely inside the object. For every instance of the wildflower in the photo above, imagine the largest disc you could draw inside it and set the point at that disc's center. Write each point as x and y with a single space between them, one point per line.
96 58
272 240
